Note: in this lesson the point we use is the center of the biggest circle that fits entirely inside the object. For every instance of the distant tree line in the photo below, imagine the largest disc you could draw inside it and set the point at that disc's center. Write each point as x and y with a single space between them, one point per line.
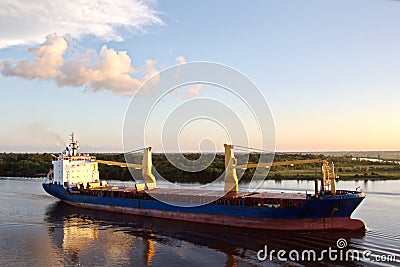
24 165
38 165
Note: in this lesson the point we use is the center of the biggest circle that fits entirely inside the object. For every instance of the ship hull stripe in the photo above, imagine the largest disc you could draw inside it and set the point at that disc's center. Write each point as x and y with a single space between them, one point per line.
303 224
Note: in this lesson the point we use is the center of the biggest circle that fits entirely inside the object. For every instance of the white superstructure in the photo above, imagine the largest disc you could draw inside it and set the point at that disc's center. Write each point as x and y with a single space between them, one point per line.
71 168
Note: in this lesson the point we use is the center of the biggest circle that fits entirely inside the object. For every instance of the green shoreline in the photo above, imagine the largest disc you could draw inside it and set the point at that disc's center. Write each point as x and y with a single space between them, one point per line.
37 165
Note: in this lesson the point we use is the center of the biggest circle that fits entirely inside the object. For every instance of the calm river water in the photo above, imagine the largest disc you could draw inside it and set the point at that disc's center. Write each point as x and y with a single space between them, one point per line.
38 230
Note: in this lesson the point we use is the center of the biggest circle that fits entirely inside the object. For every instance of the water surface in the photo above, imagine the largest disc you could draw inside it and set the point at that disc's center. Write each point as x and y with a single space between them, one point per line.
38 230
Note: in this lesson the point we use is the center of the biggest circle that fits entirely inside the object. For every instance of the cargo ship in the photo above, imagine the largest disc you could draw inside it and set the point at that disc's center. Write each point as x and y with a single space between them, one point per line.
74 179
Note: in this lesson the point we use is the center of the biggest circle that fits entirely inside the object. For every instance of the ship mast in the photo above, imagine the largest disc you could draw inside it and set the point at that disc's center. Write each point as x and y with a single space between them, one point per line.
74 145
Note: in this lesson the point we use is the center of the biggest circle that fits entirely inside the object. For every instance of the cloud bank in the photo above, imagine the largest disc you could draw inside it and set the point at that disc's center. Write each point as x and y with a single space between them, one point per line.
24 22
107 70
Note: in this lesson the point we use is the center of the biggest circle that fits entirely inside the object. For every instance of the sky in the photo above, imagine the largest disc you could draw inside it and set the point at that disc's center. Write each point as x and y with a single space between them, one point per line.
329 70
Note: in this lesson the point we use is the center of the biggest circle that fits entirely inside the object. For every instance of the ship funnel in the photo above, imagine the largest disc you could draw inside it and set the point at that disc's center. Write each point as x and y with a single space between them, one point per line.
148 176
231 180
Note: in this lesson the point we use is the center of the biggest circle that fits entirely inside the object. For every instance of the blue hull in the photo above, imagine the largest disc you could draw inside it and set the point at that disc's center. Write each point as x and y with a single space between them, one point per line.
328 212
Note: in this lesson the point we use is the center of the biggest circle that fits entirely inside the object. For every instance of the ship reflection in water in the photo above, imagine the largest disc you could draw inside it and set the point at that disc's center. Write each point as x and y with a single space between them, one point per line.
86 237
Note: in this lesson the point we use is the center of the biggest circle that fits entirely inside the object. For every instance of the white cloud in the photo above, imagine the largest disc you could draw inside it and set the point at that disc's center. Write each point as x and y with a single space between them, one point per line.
26 22
107 70
47 59
189 92
194 91
181 60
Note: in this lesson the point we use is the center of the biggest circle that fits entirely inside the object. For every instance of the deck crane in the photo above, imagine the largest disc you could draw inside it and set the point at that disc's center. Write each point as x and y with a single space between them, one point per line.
149 179
328 182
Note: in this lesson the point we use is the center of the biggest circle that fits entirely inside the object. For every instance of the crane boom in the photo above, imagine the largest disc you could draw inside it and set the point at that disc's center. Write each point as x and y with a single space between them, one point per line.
146 166
280 163
120 164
